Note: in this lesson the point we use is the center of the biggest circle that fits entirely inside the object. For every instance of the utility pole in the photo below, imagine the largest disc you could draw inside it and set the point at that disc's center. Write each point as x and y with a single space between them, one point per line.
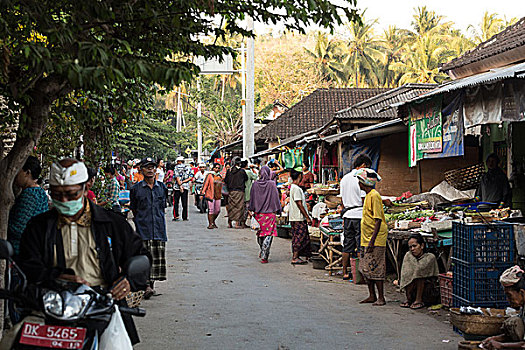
199 130
243 101
248 125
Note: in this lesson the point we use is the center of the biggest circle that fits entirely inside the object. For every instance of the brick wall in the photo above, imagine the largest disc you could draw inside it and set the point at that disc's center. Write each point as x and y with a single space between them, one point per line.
399 178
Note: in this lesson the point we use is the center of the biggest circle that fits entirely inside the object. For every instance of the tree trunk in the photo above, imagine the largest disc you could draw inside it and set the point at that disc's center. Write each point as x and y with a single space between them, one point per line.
31 125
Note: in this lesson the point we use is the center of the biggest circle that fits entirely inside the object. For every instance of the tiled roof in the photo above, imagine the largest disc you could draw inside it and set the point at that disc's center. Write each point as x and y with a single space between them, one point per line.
510 38
313 111
368 109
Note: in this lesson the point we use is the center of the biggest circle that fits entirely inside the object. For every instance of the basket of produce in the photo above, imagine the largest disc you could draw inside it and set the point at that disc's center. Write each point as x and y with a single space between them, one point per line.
465 178
487 324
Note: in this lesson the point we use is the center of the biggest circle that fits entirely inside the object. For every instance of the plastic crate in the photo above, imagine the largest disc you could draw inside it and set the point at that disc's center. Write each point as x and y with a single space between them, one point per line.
336 223
478 283
479 243
458 302
445 289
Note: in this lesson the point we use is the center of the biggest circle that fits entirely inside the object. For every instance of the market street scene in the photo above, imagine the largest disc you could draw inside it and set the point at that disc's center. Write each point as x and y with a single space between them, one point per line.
246 174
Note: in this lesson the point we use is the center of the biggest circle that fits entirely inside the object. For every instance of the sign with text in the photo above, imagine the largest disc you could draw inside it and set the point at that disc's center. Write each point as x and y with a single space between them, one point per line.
425 129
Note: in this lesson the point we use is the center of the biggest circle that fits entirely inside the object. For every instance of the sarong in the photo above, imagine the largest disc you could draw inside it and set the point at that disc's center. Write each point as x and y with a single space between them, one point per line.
301 238
265 243
236 206
157 250
373 265
267 222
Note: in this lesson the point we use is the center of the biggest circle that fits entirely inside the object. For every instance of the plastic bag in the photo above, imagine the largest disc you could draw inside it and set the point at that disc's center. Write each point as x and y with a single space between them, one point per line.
115 337
254 225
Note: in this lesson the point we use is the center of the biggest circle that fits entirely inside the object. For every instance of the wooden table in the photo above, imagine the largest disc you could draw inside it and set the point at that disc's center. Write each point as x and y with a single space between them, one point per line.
330 240
396 239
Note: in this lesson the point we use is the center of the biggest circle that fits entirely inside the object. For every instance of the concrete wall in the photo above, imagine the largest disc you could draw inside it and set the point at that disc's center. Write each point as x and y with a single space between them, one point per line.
399 178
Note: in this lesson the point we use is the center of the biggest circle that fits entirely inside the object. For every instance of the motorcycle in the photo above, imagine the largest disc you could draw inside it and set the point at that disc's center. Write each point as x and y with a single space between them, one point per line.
169 185
62 314
200 201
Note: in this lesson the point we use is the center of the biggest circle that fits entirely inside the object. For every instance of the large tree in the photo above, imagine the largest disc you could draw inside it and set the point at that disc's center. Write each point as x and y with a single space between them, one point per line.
51 49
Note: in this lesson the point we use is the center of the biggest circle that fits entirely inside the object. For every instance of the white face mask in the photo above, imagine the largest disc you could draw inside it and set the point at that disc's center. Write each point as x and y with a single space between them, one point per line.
69 208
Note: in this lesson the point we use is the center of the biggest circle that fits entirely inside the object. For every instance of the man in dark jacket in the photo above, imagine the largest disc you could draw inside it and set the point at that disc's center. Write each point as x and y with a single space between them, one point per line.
79 241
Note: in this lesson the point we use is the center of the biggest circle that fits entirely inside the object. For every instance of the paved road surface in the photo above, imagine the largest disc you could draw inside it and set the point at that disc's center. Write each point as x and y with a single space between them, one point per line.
218 296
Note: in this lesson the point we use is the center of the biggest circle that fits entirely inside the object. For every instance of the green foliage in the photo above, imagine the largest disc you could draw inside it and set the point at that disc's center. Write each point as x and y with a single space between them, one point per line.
78 51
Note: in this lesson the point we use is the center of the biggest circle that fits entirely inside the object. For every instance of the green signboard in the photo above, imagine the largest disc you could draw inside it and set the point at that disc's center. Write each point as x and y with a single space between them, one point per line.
425 129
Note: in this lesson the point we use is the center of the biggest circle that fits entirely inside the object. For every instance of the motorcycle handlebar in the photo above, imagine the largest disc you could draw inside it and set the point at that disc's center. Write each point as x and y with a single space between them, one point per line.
135 311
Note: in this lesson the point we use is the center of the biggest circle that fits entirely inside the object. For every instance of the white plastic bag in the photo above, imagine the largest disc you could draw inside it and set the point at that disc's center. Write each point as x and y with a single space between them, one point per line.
255 225
115 337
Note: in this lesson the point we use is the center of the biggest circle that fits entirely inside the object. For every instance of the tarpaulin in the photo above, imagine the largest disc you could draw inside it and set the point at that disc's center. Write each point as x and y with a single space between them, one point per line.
483 104
370 147
452 116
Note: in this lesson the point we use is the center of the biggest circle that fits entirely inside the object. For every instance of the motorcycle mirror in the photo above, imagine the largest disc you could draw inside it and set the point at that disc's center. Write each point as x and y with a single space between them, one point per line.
6 249
137 269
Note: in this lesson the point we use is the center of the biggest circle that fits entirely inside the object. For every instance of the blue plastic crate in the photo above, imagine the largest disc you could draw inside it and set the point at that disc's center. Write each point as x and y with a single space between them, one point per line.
478 283
481 243
336 223
458 302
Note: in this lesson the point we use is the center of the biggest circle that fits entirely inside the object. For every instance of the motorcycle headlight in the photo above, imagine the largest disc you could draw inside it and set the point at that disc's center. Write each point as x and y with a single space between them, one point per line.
53 303
66 305
75 305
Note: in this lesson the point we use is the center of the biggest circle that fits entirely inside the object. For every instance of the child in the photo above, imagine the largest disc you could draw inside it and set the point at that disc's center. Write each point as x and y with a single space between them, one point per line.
374 232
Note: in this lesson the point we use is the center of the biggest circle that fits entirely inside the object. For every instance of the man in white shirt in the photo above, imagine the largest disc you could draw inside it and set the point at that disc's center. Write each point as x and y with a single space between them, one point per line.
353 198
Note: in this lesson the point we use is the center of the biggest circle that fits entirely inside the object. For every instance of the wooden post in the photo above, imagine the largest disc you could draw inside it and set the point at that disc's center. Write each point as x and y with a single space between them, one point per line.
339 158
419 179
321 173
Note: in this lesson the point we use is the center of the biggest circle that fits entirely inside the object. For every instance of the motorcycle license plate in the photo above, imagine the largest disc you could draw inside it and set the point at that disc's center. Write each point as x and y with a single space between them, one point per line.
54 337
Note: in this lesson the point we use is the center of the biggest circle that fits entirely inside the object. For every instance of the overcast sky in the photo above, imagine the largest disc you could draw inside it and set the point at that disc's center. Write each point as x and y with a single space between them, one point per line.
461 12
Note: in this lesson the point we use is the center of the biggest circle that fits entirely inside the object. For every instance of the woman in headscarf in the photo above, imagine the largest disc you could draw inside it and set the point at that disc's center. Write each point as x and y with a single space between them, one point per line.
374 232
419 275
265 204
513 337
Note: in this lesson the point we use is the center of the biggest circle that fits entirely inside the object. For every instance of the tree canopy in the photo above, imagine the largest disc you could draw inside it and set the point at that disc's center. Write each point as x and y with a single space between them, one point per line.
56 54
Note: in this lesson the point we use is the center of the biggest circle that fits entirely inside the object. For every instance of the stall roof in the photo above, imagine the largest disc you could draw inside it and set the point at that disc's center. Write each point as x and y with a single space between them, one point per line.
385 128
374 107
313 111
494 75
230 145
286 142
510 38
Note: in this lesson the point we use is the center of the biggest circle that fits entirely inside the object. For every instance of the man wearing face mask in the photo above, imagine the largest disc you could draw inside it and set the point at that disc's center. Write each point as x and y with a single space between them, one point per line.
79 241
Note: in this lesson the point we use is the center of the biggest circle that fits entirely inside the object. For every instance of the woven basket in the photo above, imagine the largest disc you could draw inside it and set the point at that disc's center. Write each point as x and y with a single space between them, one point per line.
465 178
478 324
134 299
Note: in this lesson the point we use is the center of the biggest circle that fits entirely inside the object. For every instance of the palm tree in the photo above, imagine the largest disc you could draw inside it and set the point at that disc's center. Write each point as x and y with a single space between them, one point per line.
363 52
393 45
421 65
490 25
328 55
425 20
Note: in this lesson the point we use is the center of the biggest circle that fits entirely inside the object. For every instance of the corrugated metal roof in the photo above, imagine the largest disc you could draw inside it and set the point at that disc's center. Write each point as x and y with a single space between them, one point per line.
494 75
374 107
351 133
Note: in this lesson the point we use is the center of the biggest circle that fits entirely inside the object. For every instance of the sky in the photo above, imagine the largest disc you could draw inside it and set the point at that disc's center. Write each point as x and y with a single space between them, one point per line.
461 12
